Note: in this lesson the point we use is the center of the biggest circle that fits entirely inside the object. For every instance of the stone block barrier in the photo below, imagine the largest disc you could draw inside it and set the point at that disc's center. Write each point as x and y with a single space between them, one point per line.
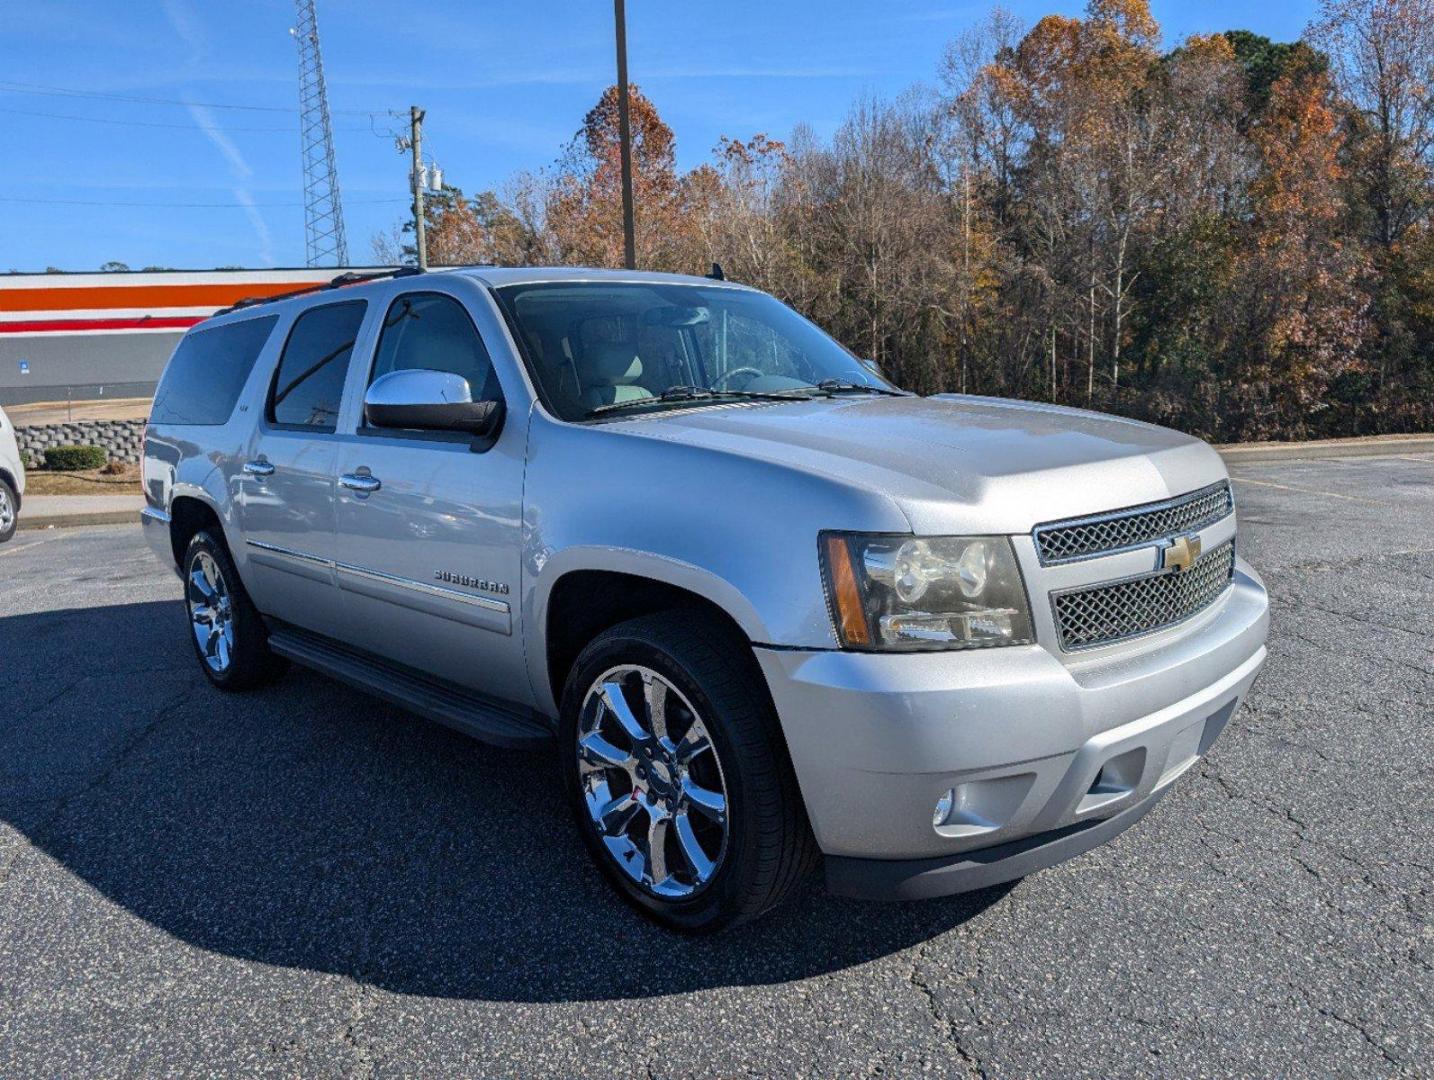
119 438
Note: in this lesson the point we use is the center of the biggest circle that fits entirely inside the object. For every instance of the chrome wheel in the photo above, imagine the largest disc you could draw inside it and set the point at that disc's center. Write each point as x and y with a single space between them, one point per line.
652 781
211 612
7 510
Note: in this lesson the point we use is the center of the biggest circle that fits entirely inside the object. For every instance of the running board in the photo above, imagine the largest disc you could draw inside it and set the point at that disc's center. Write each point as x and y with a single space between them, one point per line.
498 722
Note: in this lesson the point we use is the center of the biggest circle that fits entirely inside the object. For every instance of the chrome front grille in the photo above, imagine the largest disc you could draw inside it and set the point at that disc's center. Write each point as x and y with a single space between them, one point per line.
1100 614
1101 534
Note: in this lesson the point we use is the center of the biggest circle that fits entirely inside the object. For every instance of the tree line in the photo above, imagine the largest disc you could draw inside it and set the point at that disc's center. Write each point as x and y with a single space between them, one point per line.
1232 237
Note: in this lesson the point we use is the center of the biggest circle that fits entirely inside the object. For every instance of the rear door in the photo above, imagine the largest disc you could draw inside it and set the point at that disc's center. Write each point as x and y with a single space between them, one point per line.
285 497
429 562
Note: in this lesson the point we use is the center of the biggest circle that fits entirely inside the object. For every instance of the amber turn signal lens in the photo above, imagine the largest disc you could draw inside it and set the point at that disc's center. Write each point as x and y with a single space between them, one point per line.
851 619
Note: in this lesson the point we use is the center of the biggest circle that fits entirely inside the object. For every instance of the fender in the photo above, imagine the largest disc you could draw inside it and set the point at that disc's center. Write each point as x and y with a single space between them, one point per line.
644 564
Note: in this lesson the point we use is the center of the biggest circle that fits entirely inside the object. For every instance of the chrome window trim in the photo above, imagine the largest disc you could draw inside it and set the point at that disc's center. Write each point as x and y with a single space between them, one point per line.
1130 512
1055 594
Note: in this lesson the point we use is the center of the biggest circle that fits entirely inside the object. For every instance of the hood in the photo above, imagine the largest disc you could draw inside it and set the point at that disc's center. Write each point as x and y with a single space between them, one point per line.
954 463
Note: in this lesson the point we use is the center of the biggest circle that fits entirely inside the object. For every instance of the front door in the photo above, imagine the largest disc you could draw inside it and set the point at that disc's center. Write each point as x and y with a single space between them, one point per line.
429 532
285 487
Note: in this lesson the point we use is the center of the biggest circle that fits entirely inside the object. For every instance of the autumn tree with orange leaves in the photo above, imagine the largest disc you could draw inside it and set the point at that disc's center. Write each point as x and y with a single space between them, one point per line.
584 202
1232 235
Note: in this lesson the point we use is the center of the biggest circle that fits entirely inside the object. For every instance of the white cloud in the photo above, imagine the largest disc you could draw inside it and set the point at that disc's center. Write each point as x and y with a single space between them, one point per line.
205 122
187 27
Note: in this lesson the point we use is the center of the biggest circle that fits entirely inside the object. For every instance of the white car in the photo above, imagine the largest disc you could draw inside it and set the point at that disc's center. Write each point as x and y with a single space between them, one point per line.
12 478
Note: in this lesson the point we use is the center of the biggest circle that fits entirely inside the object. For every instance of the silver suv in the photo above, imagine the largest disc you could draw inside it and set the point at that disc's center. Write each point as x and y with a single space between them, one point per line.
773 610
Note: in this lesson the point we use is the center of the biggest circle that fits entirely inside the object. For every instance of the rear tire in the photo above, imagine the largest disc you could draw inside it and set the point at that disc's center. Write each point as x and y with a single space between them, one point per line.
715 794
226 630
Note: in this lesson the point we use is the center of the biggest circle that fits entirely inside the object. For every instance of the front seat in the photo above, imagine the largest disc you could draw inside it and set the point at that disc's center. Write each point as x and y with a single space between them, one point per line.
610 375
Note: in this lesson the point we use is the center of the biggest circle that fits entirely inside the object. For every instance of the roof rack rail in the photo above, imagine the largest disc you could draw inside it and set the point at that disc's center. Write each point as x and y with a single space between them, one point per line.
350 278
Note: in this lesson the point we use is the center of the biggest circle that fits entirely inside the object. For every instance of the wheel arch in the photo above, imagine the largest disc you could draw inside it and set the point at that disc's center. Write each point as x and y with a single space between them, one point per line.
189 514
582 602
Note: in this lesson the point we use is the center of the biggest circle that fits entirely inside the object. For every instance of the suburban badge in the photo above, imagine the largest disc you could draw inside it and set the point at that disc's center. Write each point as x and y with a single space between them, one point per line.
482 584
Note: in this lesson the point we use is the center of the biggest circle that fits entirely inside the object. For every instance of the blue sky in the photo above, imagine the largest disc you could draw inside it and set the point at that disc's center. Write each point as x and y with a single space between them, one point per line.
505 86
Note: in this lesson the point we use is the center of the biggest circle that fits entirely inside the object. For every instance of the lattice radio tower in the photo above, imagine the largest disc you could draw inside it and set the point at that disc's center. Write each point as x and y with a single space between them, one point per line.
323 214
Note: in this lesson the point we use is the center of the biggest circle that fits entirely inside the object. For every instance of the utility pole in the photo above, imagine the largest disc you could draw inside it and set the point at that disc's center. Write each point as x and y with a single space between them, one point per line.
624 131
415 143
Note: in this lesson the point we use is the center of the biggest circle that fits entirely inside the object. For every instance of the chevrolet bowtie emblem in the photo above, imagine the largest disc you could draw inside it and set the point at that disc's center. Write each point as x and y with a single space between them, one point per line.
1180 554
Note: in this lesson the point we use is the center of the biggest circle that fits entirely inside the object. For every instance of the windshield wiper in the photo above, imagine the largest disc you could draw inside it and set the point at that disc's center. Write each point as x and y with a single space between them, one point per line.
832 386
684 392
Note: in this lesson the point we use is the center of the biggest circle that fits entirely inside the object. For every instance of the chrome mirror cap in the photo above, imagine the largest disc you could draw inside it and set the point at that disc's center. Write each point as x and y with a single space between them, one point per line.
418 386
423 400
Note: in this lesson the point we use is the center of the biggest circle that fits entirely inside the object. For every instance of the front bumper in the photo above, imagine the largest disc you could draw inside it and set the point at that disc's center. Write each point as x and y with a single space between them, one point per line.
1047 759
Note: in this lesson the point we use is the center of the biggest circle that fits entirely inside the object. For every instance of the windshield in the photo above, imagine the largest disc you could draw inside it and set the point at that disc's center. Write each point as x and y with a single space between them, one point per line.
602 347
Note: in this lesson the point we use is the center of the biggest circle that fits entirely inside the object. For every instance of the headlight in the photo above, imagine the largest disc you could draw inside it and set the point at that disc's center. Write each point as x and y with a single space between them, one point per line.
936 592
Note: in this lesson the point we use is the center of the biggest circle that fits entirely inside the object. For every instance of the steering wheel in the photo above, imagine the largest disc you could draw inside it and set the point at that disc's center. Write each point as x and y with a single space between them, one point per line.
721 380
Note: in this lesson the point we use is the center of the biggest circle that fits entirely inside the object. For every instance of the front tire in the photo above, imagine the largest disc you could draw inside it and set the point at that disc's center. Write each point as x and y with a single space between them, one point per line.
679 776
226 630
8 511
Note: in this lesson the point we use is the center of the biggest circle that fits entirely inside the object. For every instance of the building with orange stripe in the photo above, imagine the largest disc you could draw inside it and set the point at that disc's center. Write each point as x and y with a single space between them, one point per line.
83 336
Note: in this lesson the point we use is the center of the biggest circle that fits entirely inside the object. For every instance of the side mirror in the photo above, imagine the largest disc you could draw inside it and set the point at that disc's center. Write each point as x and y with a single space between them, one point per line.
423 400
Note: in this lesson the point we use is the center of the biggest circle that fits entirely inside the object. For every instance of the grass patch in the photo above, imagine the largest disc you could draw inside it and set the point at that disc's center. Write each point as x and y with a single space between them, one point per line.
88 482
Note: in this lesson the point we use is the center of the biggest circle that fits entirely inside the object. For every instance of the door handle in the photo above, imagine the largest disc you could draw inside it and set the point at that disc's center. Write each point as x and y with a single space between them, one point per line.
363 483
258 468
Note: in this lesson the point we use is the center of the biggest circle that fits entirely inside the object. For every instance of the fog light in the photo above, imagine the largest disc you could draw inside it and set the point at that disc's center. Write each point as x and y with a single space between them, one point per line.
943 808
975 807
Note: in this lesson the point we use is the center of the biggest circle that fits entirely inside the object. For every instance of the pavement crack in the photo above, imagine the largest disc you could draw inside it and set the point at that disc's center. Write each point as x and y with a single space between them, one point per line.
1303 605
1364 1033
358 1012
100 778
1377 657
969 1058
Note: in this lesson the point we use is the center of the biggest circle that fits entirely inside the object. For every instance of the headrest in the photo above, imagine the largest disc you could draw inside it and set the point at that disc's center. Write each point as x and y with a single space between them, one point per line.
610 364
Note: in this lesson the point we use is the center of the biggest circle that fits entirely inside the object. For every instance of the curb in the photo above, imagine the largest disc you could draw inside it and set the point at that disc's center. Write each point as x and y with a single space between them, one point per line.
65 521
1381 446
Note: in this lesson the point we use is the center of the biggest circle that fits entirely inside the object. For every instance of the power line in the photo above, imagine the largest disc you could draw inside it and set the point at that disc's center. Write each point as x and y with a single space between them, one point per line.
67 91
184 206
151 123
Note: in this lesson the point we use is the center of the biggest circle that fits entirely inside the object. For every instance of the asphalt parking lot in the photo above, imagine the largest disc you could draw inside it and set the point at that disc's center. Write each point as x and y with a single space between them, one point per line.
307 881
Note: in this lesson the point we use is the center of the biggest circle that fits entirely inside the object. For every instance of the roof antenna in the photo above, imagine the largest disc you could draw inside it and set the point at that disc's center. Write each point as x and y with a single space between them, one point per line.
716 274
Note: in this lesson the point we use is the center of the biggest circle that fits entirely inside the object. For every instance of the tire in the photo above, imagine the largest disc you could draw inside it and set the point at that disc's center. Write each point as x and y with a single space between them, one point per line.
234 653
758 849
8 512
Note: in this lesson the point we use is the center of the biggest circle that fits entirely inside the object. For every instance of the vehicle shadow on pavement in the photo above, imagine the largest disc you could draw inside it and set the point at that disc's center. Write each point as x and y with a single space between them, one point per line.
309 826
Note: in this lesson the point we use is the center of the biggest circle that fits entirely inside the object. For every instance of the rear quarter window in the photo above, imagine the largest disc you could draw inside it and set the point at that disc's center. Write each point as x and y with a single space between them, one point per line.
207 372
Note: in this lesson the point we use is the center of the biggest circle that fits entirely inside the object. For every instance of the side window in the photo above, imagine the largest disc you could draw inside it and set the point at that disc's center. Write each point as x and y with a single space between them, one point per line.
202 381
433 331
310 379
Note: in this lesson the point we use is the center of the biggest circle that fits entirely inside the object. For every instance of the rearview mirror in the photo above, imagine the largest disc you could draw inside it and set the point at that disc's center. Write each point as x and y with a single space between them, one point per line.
674 316
423 400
